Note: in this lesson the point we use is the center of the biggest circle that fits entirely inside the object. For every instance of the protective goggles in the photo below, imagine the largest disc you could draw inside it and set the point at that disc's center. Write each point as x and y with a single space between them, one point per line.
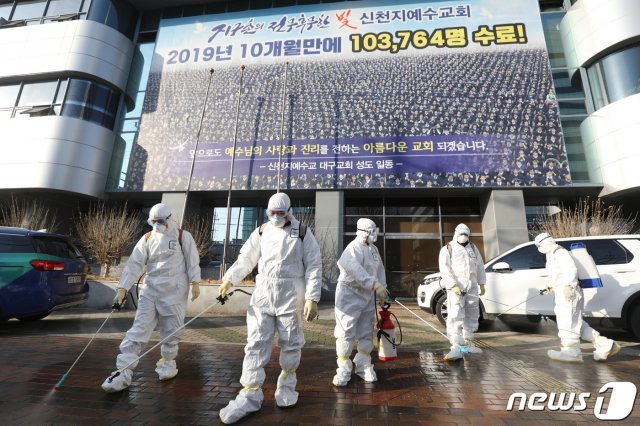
368 231
276 212
159 221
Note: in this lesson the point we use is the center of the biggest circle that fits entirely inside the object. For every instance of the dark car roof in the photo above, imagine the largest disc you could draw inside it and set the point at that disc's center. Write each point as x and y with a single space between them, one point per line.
26 232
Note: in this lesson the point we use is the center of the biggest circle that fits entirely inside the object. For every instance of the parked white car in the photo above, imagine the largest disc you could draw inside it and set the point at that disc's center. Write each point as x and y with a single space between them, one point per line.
515 278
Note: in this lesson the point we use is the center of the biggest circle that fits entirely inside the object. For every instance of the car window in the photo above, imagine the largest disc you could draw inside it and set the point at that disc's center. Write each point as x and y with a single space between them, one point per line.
15 244
604 252
527 257
56 247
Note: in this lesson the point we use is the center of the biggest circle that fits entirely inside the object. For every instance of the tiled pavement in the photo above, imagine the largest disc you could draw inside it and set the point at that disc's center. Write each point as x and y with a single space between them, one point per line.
417 388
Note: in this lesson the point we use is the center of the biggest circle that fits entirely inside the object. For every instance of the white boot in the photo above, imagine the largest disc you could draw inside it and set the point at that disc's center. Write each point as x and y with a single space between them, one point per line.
247 401
118 383
286 395
367 373
604 348
471 347
166 369
566 354
364 368
454 354
343 372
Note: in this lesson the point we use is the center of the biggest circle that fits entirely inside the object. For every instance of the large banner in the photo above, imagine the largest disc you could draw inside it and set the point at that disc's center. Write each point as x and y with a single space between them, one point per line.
378 94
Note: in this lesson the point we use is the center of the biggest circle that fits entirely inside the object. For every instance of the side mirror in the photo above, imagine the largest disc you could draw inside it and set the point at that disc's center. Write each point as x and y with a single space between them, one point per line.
501 267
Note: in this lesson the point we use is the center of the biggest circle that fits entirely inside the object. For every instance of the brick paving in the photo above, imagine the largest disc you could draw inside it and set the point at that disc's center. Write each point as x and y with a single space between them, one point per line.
417 388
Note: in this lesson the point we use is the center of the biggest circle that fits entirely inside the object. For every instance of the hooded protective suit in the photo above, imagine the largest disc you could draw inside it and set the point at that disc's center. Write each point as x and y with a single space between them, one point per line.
360 268
289 271
569 305
163 295
461 266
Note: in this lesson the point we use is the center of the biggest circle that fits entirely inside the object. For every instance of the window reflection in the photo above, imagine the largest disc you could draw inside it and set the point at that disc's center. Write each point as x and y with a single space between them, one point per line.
63 7
84 99
29 9
615 76
118 14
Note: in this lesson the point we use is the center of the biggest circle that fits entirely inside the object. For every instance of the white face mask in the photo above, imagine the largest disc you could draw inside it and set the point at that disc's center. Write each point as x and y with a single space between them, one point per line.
461 239
159 228
276 220
373 237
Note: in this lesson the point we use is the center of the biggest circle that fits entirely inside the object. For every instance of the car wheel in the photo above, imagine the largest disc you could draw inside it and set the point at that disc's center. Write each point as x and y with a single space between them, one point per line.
441 308
634 323
34 317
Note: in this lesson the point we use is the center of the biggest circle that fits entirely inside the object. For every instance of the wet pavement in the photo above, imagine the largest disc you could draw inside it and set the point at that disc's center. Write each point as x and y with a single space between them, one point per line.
417 388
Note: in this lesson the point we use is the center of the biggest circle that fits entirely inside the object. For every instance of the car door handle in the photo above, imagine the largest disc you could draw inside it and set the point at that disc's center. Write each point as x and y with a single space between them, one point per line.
621 271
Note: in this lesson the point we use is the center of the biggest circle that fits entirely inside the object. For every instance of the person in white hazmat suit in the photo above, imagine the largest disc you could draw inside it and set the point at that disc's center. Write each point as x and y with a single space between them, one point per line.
362 277
462 271
289 272
569 304
172 262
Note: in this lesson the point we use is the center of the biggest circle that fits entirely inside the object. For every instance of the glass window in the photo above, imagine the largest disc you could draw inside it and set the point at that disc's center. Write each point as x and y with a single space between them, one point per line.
5 10
171 12
407 261
563 86
525 258
237 5
218 7
147 50
15 244
259 4
91 101
130 125
150 21
420 225
137 110
409 207
55 247
459 206
615 76
572 107
604 252
551 25
63 7
122 16
8 95
41 93
117 14
29 9
449 224
195 10
351 222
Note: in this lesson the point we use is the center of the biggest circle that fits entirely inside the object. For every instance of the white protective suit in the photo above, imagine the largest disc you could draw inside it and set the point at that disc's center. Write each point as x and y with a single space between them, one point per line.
464 268
163 297
360 267
289 271
569 305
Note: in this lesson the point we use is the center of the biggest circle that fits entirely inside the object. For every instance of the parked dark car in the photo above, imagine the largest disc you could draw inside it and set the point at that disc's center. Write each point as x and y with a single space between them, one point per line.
39 272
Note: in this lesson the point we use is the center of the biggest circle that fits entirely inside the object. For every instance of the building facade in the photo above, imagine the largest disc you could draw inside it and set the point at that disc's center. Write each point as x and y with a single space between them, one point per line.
115 100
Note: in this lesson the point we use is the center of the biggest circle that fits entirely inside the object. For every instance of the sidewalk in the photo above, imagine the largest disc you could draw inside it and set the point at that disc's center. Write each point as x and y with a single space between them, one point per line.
417 388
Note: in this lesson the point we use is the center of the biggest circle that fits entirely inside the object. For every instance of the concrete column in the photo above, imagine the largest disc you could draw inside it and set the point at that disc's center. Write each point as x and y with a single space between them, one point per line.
329 231
504 221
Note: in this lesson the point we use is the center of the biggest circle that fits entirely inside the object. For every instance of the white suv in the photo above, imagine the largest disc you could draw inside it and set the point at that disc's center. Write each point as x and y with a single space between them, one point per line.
515 278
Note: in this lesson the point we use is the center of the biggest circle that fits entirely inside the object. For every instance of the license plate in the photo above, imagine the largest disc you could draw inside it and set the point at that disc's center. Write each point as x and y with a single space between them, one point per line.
74 279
